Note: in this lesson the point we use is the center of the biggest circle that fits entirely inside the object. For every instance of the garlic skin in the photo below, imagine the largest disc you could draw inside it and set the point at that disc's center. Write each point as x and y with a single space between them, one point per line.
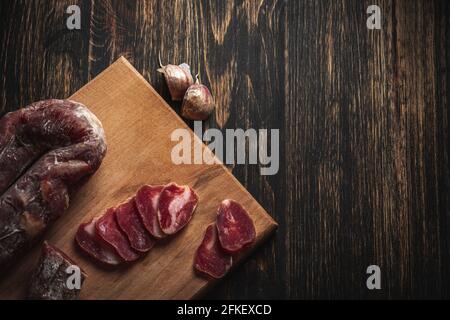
198 103
178 79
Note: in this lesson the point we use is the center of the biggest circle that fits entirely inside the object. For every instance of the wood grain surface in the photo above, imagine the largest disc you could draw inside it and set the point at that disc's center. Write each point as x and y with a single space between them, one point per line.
364 176
139 153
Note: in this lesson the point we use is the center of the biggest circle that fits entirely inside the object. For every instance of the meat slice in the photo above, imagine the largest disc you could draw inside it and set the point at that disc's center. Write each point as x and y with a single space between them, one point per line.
130 223
147 200
50 279
210 258
176 207
108 229
235 227
91 243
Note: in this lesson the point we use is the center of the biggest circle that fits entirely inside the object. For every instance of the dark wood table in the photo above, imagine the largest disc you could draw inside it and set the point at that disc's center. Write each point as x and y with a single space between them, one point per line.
363 118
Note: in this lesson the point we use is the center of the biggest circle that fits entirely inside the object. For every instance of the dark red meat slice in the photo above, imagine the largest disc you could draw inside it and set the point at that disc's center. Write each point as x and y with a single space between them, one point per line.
130 223
91 243
49 278
147 200
235 227
108 229
45 150
210 258
176 207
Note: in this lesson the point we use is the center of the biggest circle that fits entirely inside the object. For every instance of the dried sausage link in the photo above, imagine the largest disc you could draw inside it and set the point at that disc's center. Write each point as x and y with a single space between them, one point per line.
45 149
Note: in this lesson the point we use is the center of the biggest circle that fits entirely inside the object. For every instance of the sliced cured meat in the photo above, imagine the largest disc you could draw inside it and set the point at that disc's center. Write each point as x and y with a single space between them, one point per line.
50 278
91 243
130 223
210 258
147 200
108 229
235 227
45 149
176 207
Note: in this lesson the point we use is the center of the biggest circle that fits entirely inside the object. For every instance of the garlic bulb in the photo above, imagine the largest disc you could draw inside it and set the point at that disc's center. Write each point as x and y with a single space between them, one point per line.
178 79
198 102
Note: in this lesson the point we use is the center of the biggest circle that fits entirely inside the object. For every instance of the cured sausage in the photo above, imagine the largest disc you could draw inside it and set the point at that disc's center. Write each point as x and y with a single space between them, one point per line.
210 258
130 223
45 149
108 229
92 244
147 200
176 207
235 227
49 280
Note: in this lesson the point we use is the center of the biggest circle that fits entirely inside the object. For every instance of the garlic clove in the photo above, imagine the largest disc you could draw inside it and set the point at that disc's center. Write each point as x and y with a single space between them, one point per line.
198 103
178 79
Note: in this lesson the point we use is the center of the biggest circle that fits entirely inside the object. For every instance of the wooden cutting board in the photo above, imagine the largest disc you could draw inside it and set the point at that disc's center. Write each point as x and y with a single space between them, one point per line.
138 125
